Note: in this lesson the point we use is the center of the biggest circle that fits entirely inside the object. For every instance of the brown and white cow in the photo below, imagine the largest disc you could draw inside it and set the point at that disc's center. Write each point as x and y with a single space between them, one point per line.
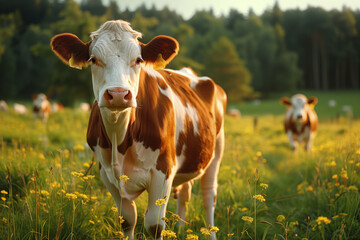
41 107
300 120
161 128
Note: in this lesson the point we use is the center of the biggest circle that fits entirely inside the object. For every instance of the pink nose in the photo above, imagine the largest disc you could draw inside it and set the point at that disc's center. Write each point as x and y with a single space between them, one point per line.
117 97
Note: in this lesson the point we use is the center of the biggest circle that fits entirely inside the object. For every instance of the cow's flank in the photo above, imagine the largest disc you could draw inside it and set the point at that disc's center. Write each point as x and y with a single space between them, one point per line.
161 128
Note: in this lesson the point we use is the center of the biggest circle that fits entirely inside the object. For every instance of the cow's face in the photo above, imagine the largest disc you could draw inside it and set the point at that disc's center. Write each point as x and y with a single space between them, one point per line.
116 57
299 106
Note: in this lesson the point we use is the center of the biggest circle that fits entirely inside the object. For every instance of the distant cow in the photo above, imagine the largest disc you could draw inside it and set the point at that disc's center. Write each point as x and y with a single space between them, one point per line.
300 120
41 107
3 106
234 112
161 128
20 108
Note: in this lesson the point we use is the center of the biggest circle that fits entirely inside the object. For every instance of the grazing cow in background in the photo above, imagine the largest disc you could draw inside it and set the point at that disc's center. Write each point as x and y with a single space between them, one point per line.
300 120
41 107
20 108
3 106
84 107
161 128
234 112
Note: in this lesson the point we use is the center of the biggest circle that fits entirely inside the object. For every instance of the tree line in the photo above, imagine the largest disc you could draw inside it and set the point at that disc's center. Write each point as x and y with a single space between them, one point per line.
248 55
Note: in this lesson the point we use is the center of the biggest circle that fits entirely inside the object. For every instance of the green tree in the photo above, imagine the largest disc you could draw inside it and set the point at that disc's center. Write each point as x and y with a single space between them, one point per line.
225 67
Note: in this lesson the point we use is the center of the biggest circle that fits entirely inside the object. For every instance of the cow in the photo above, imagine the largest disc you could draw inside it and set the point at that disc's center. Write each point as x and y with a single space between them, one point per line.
3 106
157 128
300 120
20 108
41 107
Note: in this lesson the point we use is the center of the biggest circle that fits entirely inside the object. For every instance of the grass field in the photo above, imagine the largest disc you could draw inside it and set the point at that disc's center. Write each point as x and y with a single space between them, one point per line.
51 189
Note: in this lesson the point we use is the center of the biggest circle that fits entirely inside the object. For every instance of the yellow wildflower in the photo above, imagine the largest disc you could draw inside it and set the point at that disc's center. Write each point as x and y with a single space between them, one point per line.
280 218
32 191
247 219
264 185
214 229
4 220
335 217
309 188
343 214
87 165
92 222
335 177
244 209
4 192
44 192
79 147
191 237
124 178
189 230
160 202
344 174
258 154
259 197
121 219
169 234
77 174
320 220
4 199
71 196
114 209
93 198
205 231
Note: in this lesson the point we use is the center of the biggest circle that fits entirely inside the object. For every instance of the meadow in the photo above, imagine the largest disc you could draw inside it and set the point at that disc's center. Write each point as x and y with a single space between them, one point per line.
50 186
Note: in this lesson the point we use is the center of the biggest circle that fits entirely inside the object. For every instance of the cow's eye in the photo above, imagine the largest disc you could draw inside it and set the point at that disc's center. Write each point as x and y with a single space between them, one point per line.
139 60
92 60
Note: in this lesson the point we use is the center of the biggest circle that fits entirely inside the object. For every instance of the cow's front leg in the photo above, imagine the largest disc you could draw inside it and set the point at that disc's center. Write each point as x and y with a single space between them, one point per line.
159 192
291 140
183 195
126 208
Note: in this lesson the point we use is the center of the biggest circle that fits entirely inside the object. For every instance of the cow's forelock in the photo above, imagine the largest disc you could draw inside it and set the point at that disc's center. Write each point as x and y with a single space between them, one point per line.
116 49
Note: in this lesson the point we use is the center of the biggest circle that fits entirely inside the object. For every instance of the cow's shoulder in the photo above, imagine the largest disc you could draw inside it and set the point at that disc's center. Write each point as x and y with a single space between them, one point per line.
96 133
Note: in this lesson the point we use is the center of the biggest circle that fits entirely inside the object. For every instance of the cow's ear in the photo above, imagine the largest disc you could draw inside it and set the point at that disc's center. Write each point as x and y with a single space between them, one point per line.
159 51
312 101
71 50
285 101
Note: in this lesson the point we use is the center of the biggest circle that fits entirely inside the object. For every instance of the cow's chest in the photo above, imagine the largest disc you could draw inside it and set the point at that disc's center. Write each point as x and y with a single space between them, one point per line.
138 164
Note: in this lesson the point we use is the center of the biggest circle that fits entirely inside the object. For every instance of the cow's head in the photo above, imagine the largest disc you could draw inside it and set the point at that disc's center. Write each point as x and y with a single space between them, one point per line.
116 56
299 106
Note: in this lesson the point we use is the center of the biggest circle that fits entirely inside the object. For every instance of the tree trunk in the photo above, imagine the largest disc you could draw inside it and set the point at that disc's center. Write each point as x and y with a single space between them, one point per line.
315 61
324 76
337 74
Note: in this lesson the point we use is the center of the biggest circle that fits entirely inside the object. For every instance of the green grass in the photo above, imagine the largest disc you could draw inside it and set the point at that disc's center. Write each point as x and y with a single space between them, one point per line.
40 166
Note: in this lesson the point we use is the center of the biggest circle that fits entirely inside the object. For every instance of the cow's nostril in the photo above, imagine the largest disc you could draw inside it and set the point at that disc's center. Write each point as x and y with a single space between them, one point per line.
128 96
108 95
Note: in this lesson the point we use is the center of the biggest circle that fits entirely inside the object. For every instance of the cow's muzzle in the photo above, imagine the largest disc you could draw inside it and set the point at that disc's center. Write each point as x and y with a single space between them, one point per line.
118 98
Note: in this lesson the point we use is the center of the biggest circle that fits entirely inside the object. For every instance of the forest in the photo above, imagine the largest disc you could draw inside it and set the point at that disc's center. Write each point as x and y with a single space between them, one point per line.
250 55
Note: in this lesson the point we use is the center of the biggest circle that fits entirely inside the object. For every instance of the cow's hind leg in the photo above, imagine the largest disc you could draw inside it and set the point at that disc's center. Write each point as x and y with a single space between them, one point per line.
209 181
126 208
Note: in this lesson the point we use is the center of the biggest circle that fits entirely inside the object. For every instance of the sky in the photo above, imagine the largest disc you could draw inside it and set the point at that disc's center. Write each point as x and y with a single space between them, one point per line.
187 8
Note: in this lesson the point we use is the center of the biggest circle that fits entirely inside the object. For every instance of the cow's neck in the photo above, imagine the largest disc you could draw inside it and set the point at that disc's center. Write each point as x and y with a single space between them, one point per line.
116 125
